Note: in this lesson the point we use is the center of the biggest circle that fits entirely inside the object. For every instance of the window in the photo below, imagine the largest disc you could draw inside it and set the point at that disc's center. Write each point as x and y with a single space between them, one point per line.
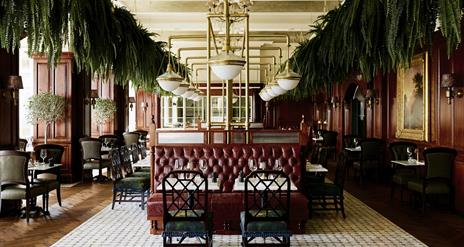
177 112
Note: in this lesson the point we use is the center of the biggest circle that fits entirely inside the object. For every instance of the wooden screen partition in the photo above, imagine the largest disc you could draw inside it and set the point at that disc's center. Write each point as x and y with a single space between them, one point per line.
201 137
60 80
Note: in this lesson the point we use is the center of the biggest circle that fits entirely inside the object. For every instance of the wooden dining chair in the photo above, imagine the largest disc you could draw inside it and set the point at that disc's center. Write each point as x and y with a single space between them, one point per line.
52 177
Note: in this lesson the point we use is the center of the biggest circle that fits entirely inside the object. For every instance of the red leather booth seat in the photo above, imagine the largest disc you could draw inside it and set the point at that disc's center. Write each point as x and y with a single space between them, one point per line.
227 161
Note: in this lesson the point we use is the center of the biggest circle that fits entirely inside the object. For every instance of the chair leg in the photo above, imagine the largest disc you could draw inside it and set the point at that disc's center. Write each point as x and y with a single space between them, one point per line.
58 194
114 199
342 207
143 200
336 204
120 196
27 210
423 202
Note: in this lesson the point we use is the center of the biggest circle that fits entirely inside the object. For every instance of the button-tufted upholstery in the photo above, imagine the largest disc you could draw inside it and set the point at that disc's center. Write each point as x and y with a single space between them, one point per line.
227 161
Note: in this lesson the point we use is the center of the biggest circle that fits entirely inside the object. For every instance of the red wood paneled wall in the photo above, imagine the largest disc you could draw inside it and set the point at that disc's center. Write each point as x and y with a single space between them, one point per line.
57 80
9 118
446 120
105 88
144 115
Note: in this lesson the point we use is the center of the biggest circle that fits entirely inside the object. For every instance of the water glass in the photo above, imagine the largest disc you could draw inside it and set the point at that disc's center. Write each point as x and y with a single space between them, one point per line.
43 155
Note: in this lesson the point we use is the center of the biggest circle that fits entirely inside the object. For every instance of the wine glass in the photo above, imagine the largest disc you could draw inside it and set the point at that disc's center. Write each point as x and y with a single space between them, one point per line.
43 155
252 165
177 165
355 142
410 150
203 166
278 165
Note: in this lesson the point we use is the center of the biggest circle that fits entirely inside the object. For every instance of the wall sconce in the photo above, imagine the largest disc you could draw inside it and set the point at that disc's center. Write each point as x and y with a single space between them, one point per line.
448 81
14 82
370 98
144 106
334 101
93 95
131 102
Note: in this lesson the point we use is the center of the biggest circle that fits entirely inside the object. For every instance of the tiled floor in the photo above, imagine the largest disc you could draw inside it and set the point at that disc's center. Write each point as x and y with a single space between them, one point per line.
126 225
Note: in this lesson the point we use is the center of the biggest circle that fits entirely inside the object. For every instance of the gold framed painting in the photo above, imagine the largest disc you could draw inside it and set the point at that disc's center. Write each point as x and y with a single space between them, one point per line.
412 94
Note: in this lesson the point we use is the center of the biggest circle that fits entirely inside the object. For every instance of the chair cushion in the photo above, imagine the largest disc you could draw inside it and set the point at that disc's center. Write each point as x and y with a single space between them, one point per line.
432 188
17 192
50 184
134 183
141 174
95 164
185 226
402 178
46 177
327 189
263 226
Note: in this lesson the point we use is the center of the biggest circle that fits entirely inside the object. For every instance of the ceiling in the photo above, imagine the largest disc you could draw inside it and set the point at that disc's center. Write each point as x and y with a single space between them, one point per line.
178 17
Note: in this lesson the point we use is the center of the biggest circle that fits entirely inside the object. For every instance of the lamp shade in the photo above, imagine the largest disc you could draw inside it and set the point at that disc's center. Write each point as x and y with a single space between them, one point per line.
131 100
14 82
269 92
226 66
189 93
447 80
170 80
288 79
93 94
276 89
264 96
183 87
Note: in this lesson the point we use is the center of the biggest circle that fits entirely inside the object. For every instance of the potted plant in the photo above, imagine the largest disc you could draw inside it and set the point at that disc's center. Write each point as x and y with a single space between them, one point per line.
45 107
104 111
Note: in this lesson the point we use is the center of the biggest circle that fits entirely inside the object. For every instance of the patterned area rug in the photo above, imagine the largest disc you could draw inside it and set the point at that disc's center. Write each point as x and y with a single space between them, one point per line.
126 225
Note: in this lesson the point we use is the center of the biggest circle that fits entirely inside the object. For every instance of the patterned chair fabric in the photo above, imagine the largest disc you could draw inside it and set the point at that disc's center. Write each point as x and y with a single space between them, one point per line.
401 175
125 187
439 162
51 180
14 181
185 207
111 141
266 207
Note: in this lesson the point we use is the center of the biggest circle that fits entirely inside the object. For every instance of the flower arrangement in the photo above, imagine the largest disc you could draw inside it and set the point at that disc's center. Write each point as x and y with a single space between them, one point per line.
104 110
45 107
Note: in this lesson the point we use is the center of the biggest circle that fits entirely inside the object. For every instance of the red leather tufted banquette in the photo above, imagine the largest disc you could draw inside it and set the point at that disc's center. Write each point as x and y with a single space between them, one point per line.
227 161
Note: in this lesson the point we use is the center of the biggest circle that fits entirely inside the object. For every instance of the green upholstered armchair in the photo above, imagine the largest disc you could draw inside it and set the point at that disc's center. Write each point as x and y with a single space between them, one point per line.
322 195
401 175
131 138
14 181
266 210
439 162
51 178
92 158
372 157
185 208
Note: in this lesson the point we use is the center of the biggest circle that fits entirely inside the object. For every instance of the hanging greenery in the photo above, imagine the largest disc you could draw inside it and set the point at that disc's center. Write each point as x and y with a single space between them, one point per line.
371 37
104 39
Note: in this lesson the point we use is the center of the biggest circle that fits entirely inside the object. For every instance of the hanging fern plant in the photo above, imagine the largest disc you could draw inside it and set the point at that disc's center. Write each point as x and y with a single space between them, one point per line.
371 37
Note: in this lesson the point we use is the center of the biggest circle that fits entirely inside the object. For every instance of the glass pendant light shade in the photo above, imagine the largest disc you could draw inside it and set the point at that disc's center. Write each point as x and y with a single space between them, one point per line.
269 92
276 89
189 93
183 87
288 79
226 66
264 96
170 80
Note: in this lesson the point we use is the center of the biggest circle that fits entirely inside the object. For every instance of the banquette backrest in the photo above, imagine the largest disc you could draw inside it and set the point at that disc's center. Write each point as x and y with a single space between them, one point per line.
228 160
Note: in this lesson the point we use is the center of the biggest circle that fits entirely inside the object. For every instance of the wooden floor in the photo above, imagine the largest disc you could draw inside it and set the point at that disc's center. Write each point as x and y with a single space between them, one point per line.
435 227
79 204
